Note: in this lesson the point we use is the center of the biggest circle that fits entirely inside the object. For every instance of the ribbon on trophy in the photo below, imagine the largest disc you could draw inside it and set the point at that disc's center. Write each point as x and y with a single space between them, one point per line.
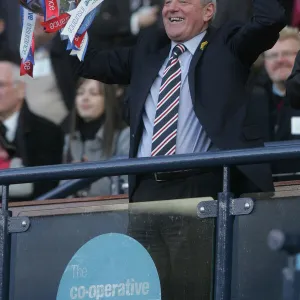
51 9
73 26
53 20
56 24
27 42
76 29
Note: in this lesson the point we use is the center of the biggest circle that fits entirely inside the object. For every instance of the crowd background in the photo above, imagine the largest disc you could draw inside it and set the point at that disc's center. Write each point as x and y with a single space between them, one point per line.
59 118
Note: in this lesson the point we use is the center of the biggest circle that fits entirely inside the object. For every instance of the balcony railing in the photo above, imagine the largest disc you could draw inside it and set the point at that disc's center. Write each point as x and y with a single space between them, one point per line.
225 159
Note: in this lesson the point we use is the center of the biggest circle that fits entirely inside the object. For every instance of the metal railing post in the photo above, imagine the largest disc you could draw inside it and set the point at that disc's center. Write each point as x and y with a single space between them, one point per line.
4 246
223 249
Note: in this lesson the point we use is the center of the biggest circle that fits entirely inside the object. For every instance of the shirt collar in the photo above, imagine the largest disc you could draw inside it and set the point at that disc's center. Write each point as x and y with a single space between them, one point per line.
277 92
11 126
192 44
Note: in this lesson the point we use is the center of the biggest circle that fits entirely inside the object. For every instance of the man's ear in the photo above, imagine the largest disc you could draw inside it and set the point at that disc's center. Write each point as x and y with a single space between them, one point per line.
208 12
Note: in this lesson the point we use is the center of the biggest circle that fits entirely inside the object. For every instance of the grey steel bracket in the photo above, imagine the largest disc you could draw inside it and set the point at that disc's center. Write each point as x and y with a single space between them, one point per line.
238 207
18 224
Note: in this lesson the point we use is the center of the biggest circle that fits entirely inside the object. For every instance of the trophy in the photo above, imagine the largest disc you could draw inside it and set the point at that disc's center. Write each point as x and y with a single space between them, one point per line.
36 6
72 18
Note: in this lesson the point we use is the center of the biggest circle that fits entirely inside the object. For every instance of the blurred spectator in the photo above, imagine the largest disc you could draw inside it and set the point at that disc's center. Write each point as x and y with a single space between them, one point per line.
25 139
97 131
269 91
50 94
276 117
119 22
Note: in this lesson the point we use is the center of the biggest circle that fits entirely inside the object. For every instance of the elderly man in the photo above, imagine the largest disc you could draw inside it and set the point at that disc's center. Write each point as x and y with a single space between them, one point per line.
25 139
270 90
190 96
187 95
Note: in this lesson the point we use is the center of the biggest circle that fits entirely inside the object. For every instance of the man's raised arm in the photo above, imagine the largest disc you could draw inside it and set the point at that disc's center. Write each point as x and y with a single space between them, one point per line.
261 32
109 66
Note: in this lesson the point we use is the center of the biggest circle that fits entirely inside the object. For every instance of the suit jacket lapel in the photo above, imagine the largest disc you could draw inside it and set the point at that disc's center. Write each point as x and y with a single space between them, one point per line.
196 58
149 72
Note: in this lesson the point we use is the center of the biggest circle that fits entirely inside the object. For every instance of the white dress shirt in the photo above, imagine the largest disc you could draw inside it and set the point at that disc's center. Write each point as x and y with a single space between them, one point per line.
11 125
191 137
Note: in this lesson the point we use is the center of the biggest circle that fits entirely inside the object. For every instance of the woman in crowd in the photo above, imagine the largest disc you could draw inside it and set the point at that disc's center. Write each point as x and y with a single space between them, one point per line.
97 130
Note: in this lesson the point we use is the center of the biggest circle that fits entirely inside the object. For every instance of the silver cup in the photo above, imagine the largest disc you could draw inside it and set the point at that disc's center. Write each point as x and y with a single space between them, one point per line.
36 5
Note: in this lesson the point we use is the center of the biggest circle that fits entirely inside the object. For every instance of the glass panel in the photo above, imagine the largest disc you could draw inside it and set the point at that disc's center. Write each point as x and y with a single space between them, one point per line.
180 244
258 270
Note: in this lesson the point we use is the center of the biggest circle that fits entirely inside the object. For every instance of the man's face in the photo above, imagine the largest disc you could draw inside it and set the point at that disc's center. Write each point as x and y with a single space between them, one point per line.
279 60
11 92
184 19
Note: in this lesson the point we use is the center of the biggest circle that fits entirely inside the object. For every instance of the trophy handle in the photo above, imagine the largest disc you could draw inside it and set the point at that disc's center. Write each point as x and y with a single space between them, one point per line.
72 4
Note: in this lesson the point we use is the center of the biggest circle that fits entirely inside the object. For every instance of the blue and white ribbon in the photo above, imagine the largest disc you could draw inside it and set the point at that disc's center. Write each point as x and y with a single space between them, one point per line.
78 24
77 17
81 52
29 19
27 42
88 20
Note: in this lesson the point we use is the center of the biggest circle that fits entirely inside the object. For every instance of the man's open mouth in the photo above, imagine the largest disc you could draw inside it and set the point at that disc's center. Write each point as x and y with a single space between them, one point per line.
176 19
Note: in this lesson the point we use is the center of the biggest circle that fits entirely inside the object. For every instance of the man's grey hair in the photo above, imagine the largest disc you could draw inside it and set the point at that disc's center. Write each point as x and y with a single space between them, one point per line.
15 72
209 1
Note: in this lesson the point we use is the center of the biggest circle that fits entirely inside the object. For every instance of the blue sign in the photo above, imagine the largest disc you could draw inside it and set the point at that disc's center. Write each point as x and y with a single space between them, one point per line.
110 266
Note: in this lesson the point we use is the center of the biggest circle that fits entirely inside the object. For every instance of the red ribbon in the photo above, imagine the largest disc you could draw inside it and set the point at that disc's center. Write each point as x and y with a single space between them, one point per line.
56 24
52 9
27 66
78 39
4 164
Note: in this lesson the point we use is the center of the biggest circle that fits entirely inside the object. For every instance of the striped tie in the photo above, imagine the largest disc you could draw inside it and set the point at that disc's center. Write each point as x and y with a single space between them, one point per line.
165 123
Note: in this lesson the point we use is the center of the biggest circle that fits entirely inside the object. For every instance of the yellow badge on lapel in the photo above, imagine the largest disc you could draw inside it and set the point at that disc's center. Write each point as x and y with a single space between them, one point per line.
203 45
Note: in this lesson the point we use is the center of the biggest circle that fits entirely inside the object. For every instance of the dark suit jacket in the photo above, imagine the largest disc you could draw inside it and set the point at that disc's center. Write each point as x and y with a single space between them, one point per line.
38 143
237 10
217 79
293 85
62 69
229 10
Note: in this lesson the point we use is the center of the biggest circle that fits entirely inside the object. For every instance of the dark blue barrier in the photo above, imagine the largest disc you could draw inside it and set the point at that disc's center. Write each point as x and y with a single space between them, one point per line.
223 253
72 186
149 165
